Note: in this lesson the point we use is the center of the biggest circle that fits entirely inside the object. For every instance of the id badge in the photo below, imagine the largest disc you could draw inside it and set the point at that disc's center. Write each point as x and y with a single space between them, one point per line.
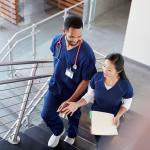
69 73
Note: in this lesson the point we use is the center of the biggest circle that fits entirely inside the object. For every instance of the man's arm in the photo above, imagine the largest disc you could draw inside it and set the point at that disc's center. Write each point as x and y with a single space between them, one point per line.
80 89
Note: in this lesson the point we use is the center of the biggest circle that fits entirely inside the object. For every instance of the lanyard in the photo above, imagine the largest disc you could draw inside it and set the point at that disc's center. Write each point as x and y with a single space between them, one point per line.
58 51
75 62
76 58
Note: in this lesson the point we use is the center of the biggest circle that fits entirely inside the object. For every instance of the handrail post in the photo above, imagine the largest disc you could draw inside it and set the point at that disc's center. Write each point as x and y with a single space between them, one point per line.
65 13
14 138
11 72
34 40
92 9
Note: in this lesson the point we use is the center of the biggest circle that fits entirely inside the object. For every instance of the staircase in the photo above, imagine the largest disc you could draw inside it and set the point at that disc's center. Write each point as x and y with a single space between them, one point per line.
35 135
36 138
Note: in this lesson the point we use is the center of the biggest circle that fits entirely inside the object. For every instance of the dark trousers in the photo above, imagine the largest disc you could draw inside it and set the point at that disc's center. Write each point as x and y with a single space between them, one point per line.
52 119
97 139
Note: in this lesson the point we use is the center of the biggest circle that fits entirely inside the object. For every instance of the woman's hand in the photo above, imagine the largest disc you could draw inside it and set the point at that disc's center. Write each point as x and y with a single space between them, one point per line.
70 108
116 121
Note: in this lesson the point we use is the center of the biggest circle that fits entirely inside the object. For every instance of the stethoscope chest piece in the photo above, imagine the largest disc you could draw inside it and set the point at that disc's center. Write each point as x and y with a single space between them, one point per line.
75 66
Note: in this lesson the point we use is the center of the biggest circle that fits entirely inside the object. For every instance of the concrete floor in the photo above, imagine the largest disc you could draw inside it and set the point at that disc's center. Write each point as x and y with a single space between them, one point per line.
108 30
106 35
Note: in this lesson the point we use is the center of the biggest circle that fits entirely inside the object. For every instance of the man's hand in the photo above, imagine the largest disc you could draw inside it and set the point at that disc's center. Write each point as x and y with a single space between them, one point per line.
70 108
74 97
62 106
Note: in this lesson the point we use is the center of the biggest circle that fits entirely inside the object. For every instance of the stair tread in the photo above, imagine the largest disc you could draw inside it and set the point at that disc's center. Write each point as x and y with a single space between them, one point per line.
27 143
81 142
42 137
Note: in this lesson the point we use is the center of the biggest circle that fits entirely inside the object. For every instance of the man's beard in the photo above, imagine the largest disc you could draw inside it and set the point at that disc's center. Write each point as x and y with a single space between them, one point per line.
71 43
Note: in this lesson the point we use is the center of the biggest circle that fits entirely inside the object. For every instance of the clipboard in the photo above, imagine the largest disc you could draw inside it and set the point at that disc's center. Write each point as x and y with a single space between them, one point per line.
102 123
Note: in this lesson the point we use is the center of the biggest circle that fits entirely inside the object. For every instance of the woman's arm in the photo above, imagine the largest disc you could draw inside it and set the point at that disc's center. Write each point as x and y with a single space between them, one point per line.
123 109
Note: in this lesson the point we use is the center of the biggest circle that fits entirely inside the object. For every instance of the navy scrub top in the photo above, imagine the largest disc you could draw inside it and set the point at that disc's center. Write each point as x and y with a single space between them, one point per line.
109 100
60 84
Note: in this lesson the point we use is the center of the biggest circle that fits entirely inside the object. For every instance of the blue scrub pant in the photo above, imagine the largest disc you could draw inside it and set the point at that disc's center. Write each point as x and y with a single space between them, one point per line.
52 119
97 138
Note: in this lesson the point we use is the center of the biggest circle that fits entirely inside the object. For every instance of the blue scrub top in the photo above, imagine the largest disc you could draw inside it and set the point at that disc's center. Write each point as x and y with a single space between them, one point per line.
60 84
109 100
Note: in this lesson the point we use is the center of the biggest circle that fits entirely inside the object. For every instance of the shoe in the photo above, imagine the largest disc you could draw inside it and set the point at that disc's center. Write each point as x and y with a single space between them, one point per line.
69 140
54 140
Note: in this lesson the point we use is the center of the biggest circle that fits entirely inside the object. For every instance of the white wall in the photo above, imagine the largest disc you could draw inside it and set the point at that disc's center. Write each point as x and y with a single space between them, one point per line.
137 39
103 6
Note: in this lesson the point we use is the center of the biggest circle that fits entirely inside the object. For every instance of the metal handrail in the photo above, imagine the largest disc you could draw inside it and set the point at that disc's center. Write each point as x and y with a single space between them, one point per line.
28 112
24 107
25 62
16 87
38 23
24 104
24 78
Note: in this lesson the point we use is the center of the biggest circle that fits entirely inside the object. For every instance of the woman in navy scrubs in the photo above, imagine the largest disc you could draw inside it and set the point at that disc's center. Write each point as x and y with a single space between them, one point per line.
110 91
74 66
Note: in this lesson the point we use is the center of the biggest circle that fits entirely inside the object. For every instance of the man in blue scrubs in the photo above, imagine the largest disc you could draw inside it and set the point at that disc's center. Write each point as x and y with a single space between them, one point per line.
74 65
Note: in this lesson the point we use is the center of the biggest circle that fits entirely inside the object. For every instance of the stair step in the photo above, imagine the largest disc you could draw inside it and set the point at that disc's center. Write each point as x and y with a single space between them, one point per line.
42 137
38 134
80 143
84 133
27 143
4 145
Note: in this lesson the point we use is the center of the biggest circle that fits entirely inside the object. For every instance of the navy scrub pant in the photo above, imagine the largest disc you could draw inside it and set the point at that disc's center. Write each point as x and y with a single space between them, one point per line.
52 119
97 138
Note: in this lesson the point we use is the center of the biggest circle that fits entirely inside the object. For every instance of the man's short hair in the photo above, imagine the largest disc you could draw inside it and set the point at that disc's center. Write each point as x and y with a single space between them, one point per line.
73 21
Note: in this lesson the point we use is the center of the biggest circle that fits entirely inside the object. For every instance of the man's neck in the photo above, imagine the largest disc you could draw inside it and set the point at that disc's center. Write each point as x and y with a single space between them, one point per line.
69 47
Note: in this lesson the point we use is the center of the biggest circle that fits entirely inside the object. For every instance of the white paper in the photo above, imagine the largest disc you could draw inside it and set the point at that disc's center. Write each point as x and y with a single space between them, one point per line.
102 123
62 115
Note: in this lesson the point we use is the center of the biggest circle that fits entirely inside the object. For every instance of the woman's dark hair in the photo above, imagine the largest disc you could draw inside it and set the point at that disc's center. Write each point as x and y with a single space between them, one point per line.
118 60
73 21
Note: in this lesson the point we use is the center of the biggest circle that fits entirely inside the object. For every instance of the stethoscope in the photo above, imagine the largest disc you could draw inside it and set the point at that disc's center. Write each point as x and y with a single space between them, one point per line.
58 48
